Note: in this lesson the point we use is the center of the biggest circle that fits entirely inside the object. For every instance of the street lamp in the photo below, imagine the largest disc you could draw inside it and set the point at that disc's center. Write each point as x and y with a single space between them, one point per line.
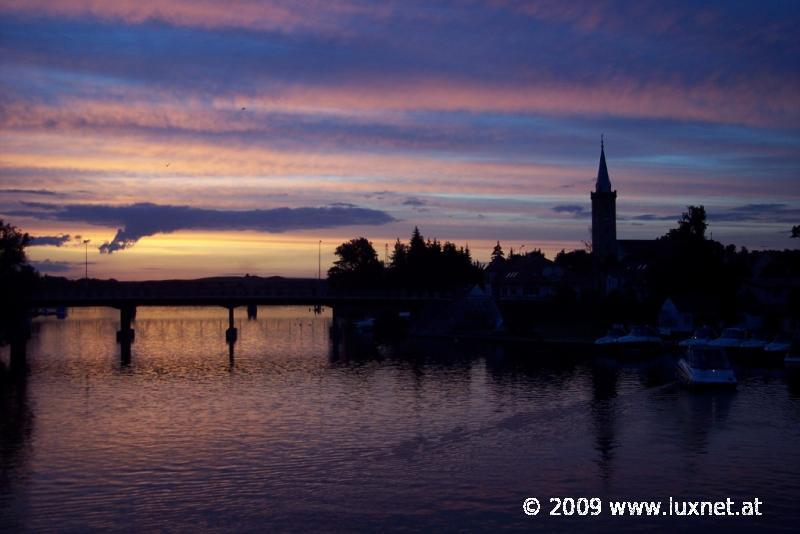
86 257
318 306
520 249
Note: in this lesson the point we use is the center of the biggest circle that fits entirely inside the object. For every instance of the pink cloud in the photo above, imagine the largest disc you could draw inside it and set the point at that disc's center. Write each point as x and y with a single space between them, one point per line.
275 15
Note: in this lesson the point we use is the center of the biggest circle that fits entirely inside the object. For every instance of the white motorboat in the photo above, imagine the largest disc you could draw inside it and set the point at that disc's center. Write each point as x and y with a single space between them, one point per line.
611 337
701 336
731 338
706 366
640 338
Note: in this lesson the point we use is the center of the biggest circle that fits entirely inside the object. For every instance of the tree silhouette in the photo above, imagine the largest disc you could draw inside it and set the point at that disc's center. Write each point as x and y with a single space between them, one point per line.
399 255
497 253
357 265
17 279
578 261
416 246
691 264
12 248
691 226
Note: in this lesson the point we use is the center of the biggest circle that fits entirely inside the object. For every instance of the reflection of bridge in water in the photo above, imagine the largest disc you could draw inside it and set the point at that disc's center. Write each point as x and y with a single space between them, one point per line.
230 293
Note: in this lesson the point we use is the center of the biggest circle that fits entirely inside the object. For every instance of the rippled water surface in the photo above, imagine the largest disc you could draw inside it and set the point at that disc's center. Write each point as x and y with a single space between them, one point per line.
289 435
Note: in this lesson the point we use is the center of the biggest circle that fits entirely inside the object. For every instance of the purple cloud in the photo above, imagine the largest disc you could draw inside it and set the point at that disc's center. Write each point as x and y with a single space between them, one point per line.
49 240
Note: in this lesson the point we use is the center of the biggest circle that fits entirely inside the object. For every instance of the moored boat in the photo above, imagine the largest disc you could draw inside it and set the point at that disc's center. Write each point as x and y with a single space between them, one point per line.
756 342
364 326
701 336
641 337
752 349
792 359
731 338
706 366
611 337
780 344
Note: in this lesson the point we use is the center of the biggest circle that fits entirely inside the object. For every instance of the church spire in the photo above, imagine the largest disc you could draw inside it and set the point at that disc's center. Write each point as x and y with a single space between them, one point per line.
603 184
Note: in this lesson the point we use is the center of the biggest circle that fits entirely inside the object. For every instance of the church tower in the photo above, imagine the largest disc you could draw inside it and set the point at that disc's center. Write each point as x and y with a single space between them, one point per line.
604 212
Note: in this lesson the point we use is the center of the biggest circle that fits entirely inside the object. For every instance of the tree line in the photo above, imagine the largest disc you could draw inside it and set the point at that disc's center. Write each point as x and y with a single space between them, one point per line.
418 264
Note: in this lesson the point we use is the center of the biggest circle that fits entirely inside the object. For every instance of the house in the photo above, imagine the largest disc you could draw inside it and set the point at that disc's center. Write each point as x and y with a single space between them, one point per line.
682 314
525 277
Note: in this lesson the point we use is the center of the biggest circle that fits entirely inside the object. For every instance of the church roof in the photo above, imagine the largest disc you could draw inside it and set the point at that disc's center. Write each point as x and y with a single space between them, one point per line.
603 184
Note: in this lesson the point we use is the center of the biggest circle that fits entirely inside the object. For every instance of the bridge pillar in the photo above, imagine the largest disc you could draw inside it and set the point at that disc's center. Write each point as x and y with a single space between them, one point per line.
231 334
252 311
126 334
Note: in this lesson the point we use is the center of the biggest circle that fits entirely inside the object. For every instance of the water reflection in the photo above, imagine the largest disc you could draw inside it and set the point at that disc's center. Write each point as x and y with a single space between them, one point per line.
603 415
16 430
282 431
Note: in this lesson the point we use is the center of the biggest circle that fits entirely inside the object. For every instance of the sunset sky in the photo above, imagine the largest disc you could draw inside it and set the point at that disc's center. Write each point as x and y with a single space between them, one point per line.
193 138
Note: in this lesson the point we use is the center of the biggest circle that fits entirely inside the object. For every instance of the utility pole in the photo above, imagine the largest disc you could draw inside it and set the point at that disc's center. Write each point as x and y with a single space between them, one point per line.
86 258
319 261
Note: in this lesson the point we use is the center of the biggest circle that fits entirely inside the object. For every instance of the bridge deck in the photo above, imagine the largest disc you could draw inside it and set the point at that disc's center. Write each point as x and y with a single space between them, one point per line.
225 292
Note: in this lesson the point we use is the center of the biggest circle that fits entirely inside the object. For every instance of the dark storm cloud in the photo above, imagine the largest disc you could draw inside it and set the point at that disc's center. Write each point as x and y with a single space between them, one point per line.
49 240
414 202
136 221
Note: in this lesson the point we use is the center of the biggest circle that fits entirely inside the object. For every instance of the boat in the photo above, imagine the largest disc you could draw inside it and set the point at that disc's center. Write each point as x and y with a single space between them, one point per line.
731 338
641 338
756 342
704 365
364 326
792 359
752 348
60 312
611 337
780 344
701 336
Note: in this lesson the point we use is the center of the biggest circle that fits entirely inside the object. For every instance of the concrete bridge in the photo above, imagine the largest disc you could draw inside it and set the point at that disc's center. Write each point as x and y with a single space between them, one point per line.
227 292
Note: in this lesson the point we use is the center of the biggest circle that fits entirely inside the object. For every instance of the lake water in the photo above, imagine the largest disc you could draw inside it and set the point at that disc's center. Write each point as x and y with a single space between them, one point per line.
425 435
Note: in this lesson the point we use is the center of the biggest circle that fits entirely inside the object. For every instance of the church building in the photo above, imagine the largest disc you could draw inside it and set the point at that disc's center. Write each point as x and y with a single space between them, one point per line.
604 213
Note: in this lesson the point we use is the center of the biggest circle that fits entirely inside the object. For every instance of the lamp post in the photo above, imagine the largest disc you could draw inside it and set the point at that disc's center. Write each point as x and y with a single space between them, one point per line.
318 306
86 258
520 250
